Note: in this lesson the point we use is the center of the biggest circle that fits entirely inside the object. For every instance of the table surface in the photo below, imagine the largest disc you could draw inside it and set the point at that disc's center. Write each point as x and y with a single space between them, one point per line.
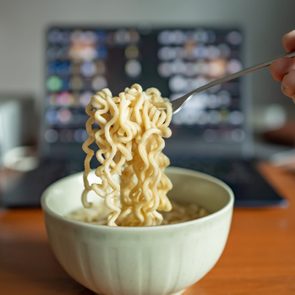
258 258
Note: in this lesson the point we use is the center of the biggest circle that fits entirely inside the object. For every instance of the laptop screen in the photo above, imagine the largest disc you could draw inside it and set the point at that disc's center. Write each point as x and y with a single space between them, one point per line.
83 60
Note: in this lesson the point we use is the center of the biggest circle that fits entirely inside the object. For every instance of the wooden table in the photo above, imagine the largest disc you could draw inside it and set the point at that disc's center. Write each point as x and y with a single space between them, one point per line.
259 257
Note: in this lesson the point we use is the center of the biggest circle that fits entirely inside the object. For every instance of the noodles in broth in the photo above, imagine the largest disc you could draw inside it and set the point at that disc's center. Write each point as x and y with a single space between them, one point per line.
128 131
125 135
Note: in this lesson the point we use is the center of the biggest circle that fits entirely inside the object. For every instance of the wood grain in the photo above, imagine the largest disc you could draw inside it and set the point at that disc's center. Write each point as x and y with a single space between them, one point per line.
259 257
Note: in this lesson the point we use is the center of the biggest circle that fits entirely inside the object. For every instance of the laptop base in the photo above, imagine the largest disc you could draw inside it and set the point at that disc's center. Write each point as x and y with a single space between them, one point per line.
248 185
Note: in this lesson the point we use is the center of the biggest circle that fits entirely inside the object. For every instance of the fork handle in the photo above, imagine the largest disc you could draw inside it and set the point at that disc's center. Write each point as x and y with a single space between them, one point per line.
239 74
178 103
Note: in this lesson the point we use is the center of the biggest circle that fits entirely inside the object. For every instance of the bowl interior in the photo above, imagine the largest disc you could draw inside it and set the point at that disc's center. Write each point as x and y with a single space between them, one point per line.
195 187
189 186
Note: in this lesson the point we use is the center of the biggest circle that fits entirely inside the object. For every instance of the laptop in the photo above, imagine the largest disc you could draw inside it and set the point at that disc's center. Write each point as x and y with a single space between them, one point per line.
210 134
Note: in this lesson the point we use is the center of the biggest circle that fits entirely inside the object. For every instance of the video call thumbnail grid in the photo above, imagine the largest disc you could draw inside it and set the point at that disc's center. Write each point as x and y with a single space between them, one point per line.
80 62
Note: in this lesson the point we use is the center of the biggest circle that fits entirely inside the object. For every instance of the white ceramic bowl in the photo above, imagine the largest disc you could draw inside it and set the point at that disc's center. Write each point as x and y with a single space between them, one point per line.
140 260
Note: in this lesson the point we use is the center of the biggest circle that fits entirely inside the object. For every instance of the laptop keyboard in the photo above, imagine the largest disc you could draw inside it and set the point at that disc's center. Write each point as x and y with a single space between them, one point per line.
250 188
26 190
248 185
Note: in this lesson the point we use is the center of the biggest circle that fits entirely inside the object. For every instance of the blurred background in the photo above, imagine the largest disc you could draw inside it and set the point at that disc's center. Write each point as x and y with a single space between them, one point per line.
22 41
35 108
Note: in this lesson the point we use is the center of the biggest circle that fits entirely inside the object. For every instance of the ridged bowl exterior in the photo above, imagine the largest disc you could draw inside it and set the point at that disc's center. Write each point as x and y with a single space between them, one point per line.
137 261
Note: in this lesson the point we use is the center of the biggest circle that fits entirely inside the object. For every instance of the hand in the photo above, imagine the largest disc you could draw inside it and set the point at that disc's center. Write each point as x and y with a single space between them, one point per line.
283 69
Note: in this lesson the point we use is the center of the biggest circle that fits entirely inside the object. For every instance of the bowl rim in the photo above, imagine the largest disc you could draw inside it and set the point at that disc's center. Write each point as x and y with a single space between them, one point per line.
204 176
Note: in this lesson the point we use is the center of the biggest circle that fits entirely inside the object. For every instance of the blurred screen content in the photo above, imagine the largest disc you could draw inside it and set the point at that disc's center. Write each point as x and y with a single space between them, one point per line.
81 61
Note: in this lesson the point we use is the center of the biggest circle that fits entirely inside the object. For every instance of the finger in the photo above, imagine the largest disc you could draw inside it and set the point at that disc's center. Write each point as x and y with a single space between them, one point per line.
280 67
289 41
288 84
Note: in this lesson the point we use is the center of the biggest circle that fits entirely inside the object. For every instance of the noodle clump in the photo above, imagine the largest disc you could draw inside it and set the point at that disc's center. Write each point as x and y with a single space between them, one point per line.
127 131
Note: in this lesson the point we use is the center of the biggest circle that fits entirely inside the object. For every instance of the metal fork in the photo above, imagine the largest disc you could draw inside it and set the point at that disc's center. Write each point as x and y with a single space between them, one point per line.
178 103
